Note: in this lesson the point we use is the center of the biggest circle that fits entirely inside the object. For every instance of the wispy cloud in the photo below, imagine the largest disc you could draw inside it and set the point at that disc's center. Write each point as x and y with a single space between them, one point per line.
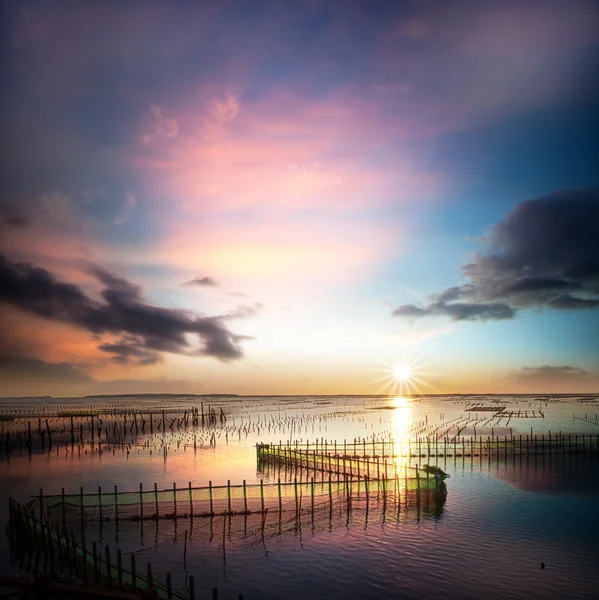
201 281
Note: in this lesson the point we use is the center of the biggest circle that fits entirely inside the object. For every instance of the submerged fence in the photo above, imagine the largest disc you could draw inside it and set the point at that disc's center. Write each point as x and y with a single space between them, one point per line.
54 548
75 510
60 552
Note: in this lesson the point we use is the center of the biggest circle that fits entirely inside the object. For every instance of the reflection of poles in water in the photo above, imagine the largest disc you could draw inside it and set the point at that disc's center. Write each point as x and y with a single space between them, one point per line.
224 548
262 532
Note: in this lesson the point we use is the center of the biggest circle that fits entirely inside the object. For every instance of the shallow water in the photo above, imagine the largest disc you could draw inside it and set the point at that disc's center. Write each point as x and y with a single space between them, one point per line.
500 521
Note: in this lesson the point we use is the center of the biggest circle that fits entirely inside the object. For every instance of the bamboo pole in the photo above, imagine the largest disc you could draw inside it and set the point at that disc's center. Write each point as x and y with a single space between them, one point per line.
133 574
175 499
141 502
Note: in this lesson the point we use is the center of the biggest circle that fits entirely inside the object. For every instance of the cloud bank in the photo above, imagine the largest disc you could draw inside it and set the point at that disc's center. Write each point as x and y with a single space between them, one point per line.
145 330
542 255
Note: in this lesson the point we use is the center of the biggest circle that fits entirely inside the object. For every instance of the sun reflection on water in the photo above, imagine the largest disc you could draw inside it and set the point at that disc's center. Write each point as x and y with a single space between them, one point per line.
400 433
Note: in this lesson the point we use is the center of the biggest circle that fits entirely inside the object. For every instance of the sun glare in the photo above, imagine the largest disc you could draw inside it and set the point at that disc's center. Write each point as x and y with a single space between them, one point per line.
402 372
405 375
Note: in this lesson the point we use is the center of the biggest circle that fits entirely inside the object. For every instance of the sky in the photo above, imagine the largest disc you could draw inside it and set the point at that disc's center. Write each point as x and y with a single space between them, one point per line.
298 197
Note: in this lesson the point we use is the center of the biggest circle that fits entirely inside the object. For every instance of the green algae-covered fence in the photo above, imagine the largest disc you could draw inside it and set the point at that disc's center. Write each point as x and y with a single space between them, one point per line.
46 525
379 466
58 551
52 549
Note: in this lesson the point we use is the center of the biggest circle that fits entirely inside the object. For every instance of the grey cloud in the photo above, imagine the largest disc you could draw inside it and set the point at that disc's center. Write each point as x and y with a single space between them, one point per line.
544 254
200 282
547 369
567 302
536 284
122 311
458 311
410 310
563 373
129 350
244 312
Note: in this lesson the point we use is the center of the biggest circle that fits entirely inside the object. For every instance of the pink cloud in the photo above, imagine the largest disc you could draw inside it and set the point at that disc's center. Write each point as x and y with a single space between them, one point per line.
288 153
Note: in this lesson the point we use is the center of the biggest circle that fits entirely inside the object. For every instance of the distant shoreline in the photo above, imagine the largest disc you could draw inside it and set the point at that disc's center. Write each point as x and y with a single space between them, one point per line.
454 395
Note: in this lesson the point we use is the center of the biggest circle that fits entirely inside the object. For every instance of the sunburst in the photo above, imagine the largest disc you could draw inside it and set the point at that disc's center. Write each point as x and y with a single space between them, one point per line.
406 375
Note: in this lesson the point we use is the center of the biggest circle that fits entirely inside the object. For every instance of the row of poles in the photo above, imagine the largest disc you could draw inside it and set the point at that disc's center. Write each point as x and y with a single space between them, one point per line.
551 443
95 427
61 551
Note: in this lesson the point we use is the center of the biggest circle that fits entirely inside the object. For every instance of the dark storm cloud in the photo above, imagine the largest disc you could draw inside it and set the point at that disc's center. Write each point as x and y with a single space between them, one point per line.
122 311
567 302
130 350
200 282
544 254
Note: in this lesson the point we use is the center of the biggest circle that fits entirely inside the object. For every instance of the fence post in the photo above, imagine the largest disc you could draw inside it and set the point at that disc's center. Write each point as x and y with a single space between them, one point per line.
175 499
211 501
119 568
229 495
41 505
149 575
192 588
280 499
108 568
190 501
262 494
133 574
141 502
63 508
116 503
95 557
84 553
169 586
156 499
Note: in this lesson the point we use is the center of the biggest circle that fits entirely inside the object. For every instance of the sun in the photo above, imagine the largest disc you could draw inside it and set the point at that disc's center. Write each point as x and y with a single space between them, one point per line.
406 374
402 372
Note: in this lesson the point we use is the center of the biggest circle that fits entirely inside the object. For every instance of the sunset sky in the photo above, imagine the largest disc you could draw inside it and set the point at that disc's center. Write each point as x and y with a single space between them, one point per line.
294 197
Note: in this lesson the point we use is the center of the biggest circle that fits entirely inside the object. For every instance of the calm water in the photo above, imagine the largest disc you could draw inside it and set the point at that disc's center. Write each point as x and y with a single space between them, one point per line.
500 521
